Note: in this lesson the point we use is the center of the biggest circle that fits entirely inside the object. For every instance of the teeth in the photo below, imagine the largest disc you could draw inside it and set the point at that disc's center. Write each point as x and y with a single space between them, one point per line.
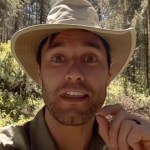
75 93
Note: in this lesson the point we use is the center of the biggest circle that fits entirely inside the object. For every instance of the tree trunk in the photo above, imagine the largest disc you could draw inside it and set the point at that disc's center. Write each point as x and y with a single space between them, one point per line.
146 26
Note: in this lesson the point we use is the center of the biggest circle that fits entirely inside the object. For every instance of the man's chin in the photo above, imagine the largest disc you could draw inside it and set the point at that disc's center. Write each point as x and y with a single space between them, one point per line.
73 118
72 121
73 115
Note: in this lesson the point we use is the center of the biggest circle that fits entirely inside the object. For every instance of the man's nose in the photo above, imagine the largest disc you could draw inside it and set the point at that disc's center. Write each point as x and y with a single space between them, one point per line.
74 73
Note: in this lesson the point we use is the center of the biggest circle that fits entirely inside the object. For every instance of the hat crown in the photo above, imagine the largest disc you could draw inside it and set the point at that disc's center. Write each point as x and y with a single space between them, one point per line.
79 12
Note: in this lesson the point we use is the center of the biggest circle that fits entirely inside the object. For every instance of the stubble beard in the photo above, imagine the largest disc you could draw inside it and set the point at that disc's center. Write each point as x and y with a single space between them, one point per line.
82 117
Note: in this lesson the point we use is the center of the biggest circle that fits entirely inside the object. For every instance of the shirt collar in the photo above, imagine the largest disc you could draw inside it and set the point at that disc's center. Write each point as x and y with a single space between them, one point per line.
41 138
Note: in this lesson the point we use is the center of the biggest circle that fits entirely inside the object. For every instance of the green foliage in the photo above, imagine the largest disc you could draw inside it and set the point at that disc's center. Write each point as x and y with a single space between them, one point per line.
133 101
19 96
117 91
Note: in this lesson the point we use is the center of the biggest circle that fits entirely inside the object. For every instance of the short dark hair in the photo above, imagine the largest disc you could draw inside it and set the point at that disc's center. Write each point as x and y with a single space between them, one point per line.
41 45
39 51
108 52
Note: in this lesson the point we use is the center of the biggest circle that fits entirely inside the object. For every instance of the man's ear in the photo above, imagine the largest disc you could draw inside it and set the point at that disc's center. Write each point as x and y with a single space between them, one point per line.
39 75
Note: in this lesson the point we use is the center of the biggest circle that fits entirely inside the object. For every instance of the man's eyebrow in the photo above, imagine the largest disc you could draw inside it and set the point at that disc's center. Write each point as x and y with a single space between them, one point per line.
92 44
56 44
53 43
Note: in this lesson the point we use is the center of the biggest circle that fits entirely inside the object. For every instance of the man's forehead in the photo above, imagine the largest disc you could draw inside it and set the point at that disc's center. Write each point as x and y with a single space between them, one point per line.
73 33
73 36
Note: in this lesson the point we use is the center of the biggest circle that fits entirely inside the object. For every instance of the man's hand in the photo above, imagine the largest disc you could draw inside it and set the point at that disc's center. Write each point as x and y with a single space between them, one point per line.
125 131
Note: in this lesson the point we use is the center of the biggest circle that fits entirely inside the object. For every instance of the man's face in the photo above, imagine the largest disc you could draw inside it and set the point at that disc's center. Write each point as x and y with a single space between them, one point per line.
74 75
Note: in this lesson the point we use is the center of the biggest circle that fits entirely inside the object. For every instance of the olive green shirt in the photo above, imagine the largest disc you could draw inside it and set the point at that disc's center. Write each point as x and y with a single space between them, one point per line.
34 135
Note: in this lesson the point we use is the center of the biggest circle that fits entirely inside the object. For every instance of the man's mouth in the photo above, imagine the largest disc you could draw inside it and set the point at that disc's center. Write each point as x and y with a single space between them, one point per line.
73 95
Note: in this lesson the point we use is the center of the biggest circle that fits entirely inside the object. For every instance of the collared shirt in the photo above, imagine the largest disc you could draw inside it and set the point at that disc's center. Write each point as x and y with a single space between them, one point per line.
35 135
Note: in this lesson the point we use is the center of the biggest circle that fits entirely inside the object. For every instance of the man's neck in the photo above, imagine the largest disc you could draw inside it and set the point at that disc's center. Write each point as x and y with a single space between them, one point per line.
70 137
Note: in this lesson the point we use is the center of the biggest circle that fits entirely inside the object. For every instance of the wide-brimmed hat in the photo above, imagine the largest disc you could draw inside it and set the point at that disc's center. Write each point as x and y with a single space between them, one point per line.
72 14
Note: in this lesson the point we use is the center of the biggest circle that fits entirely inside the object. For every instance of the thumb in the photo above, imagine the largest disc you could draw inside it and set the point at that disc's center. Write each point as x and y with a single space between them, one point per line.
103 129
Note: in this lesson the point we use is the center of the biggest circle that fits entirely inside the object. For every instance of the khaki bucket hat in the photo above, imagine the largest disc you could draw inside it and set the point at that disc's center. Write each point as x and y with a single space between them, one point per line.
65 15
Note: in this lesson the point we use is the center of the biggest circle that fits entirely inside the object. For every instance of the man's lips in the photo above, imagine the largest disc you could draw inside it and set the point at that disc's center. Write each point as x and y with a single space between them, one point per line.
74 95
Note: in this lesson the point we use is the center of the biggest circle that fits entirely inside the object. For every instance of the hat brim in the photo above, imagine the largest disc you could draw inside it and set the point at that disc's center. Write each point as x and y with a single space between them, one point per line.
24 45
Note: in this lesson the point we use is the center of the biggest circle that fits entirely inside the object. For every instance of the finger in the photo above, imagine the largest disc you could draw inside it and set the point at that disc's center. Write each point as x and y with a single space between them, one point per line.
111 109
119 115
103 129
135 137
136 146
144 129
139 137
125 129
115 127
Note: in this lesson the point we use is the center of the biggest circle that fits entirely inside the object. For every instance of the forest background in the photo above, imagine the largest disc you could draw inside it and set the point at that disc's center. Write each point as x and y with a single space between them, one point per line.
20 97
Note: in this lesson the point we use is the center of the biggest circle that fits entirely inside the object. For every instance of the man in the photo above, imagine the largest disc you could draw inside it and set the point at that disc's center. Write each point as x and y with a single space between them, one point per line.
74 60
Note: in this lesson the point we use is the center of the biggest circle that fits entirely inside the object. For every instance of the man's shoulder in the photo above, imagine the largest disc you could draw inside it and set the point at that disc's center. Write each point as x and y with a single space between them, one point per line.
12 137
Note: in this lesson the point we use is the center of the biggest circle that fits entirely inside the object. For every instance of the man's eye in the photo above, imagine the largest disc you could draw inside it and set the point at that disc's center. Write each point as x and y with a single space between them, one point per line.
58 59
90 59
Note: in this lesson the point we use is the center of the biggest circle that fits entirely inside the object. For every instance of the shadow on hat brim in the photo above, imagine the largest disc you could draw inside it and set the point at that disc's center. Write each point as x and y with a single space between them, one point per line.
24 45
